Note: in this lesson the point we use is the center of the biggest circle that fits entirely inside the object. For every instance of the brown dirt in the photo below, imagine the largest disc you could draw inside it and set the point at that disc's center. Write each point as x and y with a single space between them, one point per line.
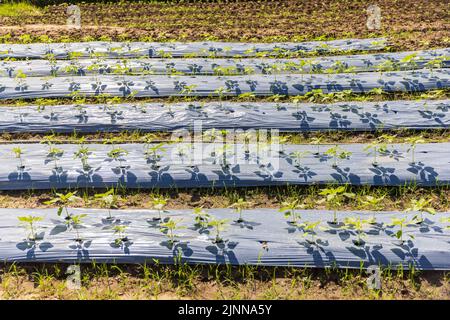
410 24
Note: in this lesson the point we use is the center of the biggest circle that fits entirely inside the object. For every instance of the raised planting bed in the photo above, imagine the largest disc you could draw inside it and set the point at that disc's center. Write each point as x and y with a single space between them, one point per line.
183 49
185 165
355 116
439 58
256 237
218 86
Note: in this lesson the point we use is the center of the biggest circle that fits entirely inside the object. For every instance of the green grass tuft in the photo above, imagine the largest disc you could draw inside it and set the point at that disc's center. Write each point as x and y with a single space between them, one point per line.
10 9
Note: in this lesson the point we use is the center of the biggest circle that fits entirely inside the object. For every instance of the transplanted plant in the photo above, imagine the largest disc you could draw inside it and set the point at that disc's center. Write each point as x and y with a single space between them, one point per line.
334 198
309 230
18 154
158 203
29 222
358 225
289 208
373 203
298 156
337 153
117 154
375 148
121 237
63 200
413 141
239 207
109 200
420 206
83 153
218 225
401 224
75 223
201 217
152 152
54 154
317 141
169 227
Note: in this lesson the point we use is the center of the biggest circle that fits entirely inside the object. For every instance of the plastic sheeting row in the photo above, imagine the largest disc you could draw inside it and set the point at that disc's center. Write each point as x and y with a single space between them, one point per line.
182 49
189 165
358 116
260 85
439 58
264 237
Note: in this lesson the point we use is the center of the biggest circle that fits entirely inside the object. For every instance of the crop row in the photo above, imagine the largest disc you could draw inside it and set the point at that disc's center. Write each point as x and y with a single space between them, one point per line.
187 165
239 236
261 85
195 66
362 116
180 49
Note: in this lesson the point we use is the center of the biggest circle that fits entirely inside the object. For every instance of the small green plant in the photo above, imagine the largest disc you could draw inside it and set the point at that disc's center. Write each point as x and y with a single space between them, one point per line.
309 229
420 206
218 225
401 224
158 203
413 141
117 154
358 225
375 148
63 200
18 154
317 142
109 200
152 152
54 154
120 232
334 198
298 156
289 208
373 203
83 153
239 207
169 227
337 153
201 217
29 222
75 223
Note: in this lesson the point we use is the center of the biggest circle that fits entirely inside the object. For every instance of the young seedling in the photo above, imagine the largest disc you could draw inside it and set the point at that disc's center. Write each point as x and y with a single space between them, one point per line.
358 225
375 148
309 229
18 154
282 141
109 200
169 227
117 154
401 224
289 208
373 203
201 217
337 153
159 203
218 226
317 142
121 237
63 200
75 223
420 206
54 154
83 153
29 223
413 141
152 153
334 198
239 207
298 156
